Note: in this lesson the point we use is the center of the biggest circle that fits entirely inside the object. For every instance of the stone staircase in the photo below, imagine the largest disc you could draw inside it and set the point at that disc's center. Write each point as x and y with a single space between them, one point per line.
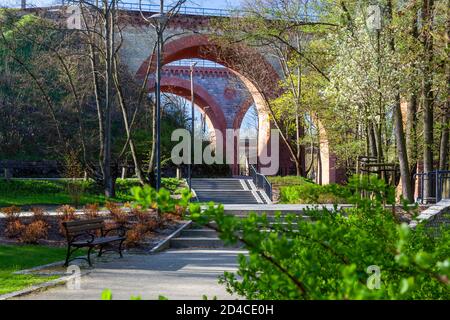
228 191
197 237
194 236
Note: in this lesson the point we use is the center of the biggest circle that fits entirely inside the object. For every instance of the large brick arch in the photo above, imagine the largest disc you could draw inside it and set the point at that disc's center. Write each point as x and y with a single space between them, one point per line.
201 47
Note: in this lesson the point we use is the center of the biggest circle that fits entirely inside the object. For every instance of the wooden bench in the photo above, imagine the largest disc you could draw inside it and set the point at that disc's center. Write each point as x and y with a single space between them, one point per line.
90 234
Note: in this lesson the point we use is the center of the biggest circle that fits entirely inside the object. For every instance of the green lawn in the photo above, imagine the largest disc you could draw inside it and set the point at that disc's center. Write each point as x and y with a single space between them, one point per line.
15 258
21 192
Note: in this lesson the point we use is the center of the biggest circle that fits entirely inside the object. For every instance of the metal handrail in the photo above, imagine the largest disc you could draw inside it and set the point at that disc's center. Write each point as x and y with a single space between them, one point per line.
260 181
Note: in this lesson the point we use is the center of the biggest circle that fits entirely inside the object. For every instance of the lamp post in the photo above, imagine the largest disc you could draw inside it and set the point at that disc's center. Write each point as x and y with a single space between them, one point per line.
192 125
158 21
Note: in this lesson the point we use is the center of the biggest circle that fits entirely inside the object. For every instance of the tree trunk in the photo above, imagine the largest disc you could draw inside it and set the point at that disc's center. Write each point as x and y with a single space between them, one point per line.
109 48
443 150
372 140
378 141
151 162
427 81
402 152
123 108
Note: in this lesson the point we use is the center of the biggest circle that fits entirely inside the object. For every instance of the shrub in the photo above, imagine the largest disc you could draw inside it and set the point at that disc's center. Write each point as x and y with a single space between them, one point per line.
73 171
12 213
133 237
75 191
14 228
117 214
65 213
171 184
137 233
310 193
91 210
38 214
34 231
147 197
145 220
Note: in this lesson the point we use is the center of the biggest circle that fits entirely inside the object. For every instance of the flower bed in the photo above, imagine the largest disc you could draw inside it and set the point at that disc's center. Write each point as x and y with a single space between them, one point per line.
145 228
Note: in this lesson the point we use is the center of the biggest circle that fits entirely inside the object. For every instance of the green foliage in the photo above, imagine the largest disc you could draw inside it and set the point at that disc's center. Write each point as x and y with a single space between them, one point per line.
106 294
329 258
312 193
171 184
147 197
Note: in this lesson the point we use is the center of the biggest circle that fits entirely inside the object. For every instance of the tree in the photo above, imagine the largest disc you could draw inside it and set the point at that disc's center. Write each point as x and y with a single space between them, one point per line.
282 31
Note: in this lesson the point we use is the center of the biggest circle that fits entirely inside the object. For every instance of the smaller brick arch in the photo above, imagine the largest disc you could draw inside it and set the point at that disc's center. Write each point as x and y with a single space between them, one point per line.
241 114
202 98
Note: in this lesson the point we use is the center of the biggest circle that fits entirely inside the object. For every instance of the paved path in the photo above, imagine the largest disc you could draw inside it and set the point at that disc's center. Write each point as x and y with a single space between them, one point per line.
175 274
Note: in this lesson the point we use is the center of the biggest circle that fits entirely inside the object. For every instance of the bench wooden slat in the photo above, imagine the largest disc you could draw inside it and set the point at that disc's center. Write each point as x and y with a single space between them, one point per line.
82 222
86 227
98 241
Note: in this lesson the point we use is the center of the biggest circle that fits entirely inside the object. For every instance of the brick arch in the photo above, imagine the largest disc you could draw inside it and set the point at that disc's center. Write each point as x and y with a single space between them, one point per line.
241 114
199 46
202 98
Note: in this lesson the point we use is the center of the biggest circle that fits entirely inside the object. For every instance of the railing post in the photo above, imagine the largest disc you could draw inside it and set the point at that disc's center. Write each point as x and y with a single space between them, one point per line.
438 185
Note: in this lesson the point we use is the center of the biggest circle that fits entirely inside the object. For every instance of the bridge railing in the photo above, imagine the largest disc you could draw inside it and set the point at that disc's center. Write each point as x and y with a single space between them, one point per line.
199 63
153 7
131 5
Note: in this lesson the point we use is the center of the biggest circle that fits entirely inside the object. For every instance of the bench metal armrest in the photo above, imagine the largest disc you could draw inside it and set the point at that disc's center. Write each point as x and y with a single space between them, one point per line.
121 230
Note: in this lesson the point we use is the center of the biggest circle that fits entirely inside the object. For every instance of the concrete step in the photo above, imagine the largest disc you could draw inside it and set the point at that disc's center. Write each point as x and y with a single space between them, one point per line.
198 233
218 184
200 242
214 224
242 212
270 218
227 197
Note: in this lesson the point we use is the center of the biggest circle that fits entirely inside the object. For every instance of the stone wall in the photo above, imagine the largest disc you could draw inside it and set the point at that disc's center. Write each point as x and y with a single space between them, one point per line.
435 216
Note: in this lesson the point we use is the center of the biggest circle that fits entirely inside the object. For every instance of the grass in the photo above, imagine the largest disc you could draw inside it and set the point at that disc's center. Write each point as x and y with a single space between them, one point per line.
15 258
288 180
22 192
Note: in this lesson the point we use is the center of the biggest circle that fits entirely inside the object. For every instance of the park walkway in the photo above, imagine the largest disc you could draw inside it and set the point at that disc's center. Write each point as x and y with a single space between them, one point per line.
175 274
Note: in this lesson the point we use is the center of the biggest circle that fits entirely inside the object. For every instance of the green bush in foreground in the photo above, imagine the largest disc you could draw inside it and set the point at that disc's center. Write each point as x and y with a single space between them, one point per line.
335 256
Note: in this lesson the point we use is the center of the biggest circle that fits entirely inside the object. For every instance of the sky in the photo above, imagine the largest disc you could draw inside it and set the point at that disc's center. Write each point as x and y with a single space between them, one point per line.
218 4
